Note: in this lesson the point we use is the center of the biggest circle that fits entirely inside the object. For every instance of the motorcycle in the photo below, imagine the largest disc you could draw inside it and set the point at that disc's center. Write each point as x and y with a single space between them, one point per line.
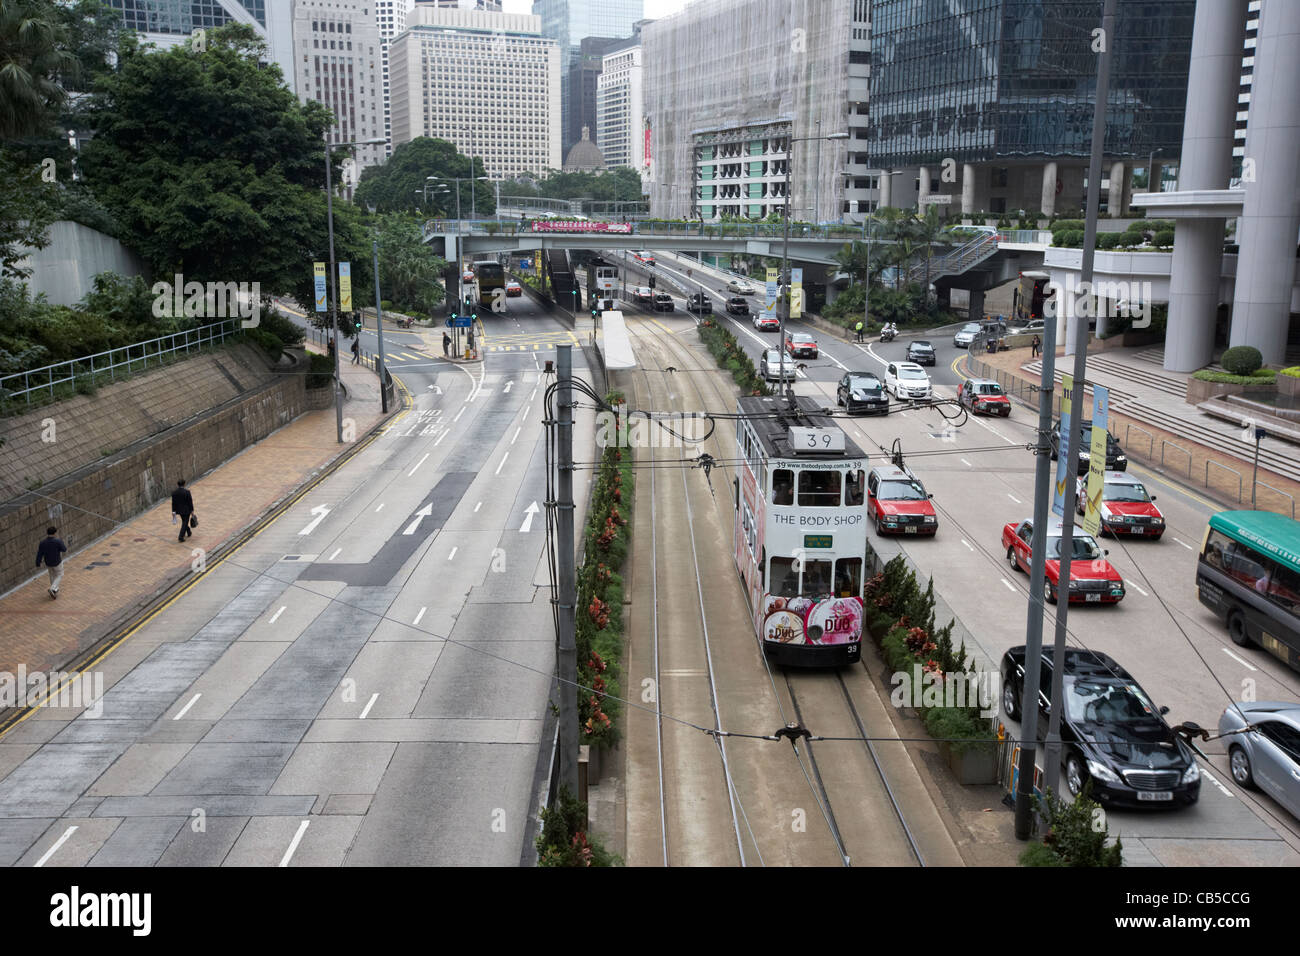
887 335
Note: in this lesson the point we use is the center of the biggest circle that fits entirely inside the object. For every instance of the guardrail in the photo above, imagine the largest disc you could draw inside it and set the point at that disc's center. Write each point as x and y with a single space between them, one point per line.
128 358
648 227
1151 439
1279 491
1165 443
1211 461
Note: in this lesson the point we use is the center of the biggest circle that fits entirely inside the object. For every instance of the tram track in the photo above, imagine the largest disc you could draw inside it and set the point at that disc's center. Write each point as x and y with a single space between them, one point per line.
778 792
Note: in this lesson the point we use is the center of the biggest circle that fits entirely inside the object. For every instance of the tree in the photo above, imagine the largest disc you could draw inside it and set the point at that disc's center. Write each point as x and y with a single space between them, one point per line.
400 183
33 60
213 167
408 269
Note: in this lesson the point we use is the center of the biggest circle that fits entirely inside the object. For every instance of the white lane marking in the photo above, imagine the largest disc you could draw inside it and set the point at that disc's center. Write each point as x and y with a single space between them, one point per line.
1138 589
969 546
57 843
1244 663
966 463
334 555
380 508
477 506
1210 777
369 704
527 408
419 516
276 616
418 464
297 838
418 616
835 360
320 511
528 518
453 553
186 709
532 396
1185 544
459 413
1013 497
502 465
1010 586
515 437
438 440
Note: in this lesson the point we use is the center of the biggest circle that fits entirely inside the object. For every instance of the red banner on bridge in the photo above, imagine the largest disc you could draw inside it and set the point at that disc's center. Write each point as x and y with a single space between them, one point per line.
564 225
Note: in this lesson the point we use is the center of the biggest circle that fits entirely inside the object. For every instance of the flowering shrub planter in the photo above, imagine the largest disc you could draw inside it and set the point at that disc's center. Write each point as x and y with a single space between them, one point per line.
726 351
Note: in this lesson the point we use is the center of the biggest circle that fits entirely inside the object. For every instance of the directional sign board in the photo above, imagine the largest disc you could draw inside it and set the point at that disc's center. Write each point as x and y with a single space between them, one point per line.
459 322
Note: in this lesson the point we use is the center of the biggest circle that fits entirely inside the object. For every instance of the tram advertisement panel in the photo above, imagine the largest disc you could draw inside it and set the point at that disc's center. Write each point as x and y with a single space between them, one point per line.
806 621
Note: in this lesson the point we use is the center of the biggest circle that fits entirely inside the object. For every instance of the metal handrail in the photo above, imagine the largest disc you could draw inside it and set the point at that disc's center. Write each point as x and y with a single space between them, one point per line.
1280 492
1151 439
1211 461
68 371
1164 442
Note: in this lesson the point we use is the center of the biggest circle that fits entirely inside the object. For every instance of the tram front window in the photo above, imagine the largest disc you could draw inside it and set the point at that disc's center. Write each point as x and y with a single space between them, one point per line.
784 578
819 489
848 577
816 578
854 483
782 486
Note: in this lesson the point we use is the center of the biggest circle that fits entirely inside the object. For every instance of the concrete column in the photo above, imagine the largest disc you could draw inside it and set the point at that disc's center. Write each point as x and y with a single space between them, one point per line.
976 313
1266 266
967 188
1049 189
1115 201
886 189
1154 172
1214 75
923 191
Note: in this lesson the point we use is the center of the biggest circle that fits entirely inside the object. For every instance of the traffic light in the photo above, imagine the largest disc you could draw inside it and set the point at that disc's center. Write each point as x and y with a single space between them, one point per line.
469 307
595 308
651 282
358 320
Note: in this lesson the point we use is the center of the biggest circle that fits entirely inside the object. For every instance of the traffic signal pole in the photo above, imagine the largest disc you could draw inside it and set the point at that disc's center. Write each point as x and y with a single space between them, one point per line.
566 599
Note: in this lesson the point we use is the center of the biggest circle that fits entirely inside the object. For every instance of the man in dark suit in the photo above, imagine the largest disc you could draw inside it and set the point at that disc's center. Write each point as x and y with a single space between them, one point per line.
183 505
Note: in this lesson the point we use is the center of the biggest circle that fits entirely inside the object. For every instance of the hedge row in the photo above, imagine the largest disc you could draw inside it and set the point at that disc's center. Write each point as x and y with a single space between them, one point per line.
726 351
1262 377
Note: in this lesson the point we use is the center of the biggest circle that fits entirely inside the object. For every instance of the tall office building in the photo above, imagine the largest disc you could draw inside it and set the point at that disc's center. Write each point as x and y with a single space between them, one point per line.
996 98
488 82
487 6
568 22
168 23
728 83
581 82
337 62
620 119
390 17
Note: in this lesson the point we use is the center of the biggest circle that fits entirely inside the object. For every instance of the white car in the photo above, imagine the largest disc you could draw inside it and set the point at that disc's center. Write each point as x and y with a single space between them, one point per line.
740 287
643 295
907 380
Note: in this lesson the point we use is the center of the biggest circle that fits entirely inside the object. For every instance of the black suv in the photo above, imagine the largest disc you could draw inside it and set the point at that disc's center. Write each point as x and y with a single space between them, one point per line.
922 353
1111 733
737 305
663 302
862 392
1116 460
699 302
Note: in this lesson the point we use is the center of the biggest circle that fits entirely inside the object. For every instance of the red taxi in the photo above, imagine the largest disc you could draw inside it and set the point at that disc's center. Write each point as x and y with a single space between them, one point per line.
767 323
983 396
1093 580
899 503
1126 507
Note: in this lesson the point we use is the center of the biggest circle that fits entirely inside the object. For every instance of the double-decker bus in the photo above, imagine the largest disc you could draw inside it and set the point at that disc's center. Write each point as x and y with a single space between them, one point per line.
490 277
800 531
1248 573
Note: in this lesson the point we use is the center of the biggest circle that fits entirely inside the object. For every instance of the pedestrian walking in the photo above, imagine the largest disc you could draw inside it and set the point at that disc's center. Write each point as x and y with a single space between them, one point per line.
50 550
356 350
446 344
330 349
183 507
1036 346
858 330
470 341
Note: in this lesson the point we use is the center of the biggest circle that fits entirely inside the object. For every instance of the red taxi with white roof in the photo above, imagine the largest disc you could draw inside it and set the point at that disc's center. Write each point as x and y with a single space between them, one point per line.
1093 580
898 503
983 396
1127 509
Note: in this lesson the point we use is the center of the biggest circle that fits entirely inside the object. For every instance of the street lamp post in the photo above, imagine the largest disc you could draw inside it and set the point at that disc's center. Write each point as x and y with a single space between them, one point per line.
785 251
333 281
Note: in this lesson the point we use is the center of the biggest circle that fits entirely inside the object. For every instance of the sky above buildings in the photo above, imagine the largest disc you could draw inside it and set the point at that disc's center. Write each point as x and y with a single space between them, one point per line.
654 9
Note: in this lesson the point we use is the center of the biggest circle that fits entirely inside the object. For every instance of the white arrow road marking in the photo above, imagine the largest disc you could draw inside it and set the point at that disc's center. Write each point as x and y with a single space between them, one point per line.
1243 663
528 517
57 843
297 838
507 388
371 703
436 389
418 464
419 516
320 511
194 700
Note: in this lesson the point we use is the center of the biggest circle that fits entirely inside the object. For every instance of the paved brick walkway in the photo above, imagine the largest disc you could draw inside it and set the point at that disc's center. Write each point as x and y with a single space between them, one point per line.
108 582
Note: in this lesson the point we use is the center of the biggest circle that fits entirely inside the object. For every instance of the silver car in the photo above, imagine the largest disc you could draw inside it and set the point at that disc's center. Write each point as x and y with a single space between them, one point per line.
1266 757
770 366
966 335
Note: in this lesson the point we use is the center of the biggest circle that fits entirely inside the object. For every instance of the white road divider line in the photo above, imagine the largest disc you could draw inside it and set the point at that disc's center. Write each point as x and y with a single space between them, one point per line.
503 463
418 617
1138 589
515 437
276 616
1185 544
1244 663
477 506
1010 586
438 440
459 413
1210 777
969 547
371 703
297 838
380 508
336 553
453 553
186 709
1013 497
418 464
57 843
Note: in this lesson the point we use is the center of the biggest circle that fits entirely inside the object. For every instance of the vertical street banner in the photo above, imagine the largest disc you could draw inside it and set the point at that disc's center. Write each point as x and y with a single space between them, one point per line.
769 303
1097 458
345 287
1065 470
796 293
318 269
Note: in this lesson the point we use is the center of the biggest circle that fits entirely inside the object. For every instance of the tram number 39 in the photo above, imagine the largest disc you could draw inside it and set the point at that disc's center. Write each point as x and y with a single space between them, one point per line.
818 439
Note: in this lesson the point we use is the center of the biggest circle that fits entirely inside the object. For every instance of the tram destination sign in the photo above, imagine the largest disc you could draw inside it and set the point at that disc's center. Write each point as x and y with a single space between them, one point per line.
815 439
818 541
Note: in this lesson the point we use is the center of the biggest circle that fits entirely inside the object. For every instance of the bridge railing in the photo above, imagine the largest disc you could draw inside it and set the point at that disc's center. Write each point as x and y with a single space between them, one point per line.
646 227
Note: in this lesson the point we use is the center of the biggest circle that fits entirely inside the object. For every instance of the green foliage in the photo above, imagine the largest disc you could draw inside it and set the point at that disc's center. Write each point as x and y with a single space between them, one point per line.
1068 238
277 324
34 58
400 184
1293 371
1038 854
1076 836
268 342
961 727
321 372
724 348
1242 360
619 184
1262 376
564 840
1109 240
27 207
408 268
1164 238
1065 225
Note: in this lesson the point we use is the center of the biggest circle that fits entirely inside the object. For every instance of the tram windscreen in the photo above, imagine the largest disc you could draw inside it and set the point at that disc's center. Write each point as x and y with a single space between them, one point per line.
819 489
816 582
854 483
782 486
848 577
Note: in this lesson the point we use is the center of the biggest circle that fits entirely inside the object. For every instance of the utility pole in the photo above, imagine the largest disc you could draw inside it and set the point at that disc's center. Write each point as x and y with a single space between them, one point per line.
1260 435
334 290
567 657
1052 753
1037 581
379 328
785 271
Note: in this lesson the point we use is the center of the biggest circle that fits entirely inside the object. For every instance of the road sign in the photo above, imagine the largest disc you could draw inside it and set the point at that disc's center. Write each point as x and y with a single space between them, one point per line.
459 322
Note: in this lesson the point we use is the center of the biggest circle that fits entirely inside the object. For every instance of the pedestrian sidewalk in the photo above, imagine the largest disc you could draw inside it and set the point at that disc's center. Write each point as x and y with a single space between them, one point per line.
113 580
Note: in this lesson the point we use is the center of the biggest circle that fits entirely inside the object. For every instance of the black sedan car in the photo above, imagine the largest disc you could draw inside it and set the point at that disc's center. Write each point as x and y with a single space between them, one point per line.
737 305
1112 735
700 303
922 353
1116 460
862 392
